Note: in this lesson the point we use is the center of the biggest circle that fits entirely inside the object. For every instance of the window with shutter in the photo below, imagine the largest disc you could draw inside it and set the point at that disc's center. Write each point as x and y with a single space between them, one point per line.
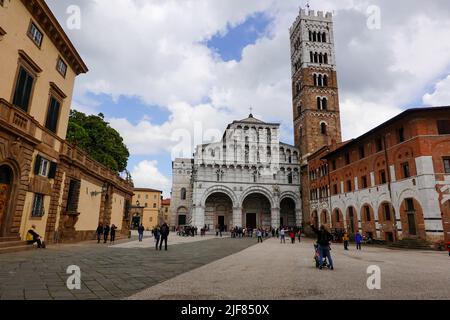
443 126
53 114
52 170
73 196
38 205
22 93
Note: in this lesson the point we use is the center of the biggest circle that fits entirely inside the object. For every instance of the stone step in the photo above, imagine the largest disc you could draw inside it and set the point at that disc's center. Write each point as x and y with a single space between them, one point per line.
411 244
8 239
16 248
6 244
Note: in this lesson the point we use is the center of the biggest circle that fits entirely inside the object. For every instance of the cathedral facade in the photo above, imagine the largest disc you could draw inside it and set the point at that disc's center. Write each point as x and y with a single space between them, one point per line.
248 179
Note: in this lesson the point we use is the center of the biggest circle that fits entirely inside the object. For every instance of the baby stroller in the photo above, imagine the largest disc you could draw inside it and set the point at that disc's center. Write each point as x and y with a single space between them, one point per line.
317 257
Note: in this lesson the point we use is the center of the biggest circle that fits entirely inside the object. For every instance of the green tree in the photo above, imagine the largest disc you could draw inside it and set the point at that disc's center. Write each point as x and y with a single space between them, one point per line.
94 135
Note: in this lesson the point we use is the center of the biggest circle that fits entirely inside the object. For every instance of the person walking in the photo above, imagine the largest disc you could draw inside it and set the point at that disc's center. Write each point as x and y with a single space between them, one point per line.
299 235
164 235
141 230
259 235
157 235
282 235
345 239
99 232
106 233
292 235
112 236
323 241
358 240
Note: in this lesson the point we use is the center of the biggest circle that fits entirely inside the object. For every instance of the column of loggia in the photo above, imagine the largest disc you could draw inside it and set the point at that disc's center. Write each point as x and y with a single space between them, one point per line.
198 217
237 217
275 215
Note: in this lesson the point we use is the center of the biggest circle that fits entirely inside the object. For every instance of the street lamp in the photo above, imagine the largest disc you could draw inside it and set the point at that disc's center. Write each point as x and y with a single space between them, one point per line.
104 190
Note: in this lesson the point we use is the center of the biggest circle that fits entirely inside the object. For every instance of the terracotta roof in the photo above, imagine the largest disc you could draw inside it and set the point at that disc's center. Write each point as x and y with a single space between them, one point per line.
147 190
165 202
391 121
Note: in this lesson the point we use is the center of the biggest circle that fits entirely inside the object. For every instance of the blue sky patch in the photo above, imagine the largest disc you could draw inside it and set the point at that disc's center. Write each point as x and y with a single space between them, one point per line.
230 45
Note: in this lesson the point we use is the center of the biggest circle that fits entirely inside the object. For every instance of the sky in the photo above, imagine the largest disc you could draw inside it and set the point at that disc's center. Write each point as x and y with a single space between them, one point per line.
170 74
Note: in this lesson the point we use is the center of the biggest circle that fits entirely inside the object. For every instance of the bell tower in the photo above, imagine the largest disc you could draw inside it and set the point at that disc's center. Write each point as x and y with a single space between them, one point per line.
314 82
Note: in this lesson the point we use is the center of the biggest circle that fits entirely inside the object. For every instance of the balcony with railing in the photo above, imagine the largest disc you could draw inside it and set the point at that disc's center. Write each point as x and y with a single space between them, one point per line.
14 118
82 159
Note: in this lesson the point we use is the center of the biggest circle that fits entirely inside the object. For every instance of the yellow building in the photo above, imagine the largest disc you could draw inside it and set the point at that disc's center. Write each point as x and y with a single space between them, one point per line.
44 181
165 214
150 201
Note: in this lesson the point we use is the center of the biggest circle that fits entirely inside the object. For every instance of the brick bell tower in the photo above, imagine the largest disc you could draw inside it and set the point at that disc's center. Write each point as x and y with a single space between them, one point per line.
314 82
314 92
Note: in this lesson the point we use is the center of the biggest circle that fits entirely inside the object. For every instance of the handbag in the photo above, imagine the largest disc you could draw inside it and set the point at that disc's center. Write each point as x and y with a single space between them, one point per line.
29 237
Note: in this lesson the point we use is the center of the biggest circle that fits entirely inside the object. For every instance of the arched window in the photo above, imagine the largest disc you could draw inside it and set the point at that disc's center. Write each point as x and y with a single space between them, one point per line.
310 36
319 105
337 215
324 104
314 36
183 194
315 79
324 37
316 58
325 58
321 58
323 128
319 81
325 81
311 56
290 178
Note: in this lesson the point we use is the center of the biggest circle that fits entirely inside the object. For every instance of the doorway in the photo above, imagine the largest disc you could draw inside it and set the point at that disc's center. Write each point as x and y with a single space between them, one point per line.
412 224
5 193
251 220
221 222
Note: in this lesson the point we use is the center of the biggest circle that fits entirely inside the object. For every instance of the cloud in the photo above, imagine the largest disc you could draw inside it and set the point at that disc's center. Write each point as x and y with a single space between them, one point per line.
156 51
146 174
441 94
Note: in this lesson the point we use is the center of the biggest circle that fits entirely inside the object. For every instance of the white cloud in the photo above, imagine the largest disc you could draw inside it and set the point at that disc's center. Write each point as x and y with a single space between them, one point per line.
441 94
146 175
155 50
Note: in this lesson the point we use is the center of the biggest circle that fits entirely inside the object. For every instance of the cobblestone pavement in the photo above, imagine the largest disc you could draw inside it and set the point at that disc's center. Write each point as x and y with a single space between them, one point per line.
286 271
149 242
106 272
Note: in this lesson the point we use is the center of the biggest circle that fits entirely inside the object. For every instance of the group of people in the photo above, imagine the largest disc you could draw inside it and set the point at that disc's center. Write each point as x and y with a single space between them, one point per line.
105 231
161 234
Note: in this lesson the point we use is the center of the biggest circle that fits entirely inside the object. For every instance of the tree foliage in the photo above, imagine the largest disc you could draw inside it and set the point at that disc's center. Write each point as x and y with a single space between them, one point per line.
94 135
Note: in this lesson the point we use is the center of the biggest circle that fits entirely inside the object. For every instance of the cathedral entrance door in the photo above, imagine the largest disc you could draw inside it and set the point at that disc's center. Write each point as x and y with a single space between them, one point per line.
251 220
221 222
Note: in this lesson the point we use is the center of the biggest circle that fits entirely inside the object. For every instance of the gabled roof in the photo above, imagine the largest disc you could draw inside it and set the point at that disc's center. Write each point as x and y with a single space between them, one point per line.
252 120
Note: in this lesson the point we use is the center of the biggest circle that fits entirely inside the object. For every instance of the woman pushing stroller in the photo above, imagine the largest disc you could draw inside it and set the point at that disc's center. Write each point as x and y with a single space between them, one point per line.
323 241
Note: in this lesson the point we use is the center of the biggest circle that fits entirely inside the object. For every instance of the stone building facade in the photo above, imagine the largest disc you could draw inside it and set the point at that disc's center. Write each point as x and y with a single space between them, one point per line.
314 89
150 200
44 181
248 179
391 183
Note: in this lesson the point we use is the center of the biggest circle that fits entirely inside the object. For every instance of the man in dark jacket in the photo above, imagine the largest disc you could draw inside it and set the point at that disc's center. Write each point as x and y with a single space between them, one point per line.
323 241
106 233
141 230
99 232
164 235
